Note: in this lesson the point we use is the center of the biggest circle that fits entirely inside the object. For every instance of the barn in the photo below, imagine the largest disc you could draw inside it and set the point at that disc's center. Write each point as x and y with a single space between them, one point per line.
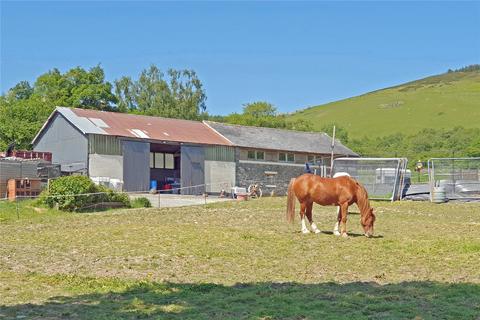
133 152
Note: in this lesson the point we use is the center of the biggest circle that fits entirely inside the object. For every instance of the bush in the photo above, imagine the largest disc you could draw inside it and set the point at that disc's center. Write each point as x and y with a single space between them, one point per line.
71 193
141 203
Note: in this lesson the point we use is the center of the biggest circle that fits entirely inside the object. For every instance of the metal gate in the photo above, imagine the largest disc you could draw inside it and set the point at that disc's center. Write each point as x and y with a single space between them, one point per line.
384 178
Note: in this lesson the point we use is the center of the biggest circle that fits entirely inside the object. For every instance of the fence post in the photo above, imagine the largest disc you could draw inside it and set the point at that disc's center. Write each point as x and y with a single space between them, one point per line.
16 205
159 199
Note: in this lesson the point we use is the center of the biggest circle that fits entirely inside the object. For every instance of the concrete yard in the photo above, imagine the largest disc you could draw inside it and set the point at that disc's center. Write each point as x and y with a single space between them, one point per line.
176 200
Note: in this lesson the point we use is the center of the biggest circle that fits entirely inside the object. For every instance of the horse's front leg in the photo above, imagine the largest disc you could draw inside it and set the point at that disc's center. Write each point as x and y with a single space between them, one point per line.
337 224
303 206
343 212
310 217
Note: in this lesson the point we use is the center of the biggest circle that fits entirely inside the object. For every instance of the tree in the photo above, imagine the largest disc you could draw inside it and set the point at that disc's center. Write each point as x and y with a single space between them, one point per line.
179 95
76 88
24 108
259 109
21 91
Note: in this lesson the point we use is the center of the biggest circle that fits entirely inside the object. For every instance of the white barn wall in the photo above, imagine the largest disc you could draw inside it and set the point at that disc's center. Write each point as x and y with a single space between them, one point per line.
219 175
102 165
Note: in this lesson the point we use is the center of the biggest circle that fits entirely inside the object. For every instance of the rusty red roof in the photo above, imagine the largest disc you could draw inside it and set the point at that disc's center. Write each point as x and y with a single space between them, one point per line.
142 127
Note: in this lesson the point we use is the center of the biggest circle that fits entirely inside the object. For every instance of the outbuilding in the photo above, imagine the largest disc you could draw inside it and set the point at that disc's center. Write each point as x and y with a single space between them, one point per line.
129 152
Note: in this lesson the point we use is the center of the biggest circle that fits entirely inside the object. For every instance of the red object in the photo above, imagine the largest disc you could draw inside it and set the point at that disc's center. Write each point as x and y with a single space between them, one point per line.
167 187
23 154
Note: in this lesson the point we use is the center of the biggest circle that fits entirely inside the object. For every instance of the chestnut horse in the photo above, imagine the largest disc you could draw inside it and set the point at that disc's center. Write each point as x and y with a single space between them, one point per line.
342 191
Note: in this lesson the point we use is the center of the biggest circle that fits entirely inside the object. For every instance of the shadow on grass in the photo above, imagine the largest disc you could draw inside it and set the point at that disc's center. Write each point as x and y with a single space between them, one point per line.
357 300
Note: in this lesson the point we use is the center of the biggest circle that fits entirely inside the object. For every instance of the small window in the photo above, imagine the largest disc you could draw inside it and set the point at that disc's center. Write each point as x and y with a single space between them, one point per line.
152 163
169 163
159 161
260 155
286 157
251 154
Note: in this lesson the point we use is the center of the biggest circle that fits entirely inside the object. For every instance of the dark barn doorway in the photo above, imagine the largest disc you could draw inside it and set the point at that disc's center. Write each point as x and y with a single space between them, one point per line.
165 166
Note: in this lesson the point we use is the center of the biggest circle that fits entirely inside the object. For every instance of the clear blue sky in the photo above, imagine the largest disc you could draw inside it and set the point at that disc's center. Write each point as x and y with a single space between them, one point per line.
292 54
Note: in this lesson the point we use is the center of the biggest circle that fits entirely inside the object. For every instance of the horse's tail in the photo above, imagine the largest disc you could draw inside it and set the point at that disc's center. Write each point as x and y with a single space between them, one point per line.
290 202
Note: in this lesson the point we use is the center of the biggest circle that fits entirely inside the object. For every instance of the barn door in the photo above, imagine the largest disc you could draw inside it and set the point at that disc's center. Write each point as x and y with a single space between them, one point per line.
192 169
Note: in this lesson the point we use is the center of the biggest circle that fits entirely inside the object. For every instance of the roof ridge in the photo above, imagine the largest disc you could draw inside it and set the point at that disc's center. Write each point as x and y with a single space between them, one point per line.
133 114
269 128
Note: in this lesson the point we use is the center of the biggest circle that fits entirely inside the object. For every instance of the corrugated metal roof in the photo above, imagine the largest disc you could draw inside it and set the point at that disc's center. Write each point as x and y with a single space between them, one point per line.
279 139
143 127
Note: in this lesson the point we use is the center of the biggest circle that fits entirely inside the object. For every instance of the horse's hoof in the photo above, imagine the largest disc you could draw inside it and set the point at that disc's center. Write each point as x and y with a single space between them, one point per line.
305 231
344 235
336 233
317 231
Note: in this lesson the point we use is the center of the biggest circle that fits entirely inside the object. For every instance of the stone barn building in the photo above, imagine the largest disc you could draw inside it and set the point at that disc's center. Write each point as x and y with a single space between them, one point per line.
134 152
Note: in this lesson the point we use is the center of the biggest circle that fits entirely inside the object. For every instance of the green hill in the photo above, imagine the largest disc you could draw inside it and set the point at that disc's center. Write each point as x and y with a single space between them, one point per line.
442 101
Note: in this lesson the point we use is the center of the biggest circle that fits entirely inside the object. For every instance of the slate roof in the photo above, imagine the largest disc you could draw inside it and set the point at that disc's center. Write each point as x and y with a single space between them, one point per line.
279 139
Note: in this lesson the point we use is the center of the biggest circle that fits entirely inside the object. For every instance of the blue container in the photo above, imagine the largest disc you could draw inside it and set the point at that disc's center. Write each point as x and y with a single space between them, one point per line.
153 184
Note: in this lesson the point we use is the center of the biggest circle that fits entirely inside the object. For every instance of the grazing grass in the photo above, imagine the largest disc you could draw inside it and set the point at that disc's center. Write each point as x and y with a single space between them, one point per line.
241 260
443 101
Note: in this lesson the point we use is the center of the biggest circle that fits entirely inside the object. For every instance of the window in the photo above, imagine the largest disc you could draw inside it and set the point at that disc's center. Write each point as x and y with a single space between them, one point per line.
255 155
169 163
159 161
152 162
311 159
286 157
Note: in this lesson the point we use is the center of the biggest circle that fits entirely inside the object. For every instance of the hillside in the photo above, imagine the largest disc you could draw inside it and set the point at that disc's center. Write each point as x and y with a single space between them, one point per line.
442 101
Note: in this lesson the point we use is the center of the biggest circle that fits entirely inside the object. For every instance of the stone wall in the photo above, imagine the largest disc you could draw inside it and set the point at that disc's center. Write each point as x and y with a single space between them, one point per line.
248 172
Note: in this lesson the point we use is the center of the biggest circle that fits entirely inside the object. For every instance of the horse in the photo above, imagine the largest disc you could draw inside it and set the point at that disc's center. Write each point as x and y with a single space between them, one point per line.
342 191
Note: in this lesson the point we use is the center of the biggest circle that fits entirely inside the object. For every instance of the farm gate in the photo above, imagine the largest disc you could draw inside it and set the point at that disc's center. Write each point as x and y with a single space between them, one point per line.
459 176
384 178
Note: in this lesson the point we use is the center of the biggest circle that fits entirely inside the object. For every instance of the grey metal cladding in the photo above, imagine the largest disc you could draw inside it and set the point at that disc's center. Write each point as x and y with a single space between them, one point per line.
83 124
67 144
192 167
279 139
136 165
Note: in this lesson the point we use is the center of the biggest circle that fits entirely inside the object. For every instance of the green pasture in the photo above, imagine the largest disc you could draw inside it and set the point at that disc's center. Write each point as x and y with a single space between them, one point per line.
443 101
239 260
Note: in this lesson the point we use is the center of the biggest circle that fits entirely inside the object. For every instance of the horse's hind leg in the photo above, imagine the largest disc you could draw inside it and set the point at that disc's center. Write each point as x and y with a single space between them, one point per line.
303 207
344 211
337 224
310 217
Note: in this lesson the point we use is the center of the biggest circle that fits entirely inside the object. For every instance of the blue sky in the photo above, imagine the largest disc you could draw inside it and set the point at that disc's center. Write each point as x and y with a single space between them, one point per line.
292 54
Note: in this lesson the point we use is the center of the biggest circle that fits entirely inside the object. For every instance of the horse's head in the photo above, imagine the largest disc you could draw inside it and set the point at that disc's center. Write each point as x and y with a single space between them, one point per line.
367 223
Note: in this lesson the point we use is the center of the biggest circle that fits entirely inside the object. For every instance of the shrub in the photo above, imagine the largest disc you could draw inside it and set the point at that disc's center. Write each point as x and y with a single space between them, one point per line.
141 203
71 193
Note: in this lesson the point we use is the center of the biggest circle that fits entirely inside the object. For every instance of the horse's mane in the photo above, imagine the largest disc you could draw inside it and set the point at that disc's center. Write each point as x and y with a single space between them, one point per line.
362 199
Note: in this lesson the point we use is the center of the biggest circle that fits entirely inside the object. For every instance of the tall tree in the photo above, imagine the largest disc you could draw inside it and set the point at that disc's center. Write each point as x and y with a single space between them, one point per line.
24 109
76 88
178 95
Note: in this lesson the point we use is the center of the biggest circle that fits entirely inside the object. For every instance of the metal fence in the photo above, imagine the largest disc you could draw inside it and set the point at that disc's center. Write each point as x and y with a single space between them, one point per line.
384 178
459 176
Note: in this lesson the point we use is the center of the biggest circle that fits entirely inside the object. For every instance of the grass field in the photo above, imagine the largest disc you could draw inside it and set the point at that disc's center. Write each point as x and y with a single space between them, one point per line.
443 101
240 260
